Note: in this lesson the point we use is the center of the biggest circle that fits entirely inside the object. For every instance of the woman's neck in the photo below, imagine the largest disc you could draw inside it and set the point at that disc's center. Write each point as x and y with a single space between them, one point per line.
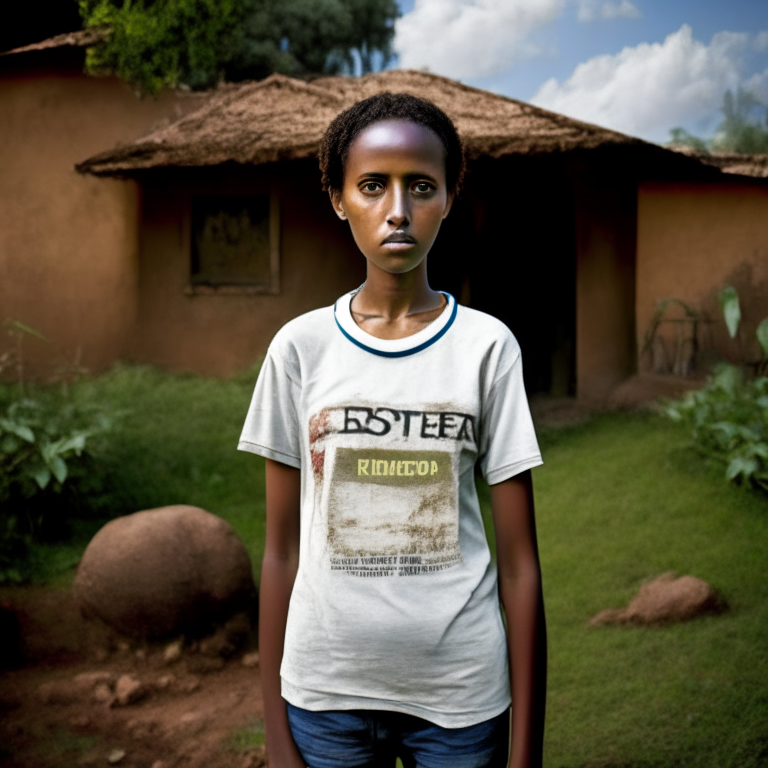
393 306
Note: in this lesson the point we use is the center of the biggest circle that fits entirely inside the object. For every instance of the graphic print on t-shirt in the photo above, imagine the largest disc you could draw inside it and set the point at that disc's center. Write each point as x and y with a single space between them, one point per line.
387 482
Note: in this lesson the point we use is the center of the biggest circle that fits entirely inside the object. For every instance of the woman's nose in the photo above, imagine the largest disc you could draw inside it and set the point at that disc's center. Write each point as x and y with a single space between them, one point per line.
400 210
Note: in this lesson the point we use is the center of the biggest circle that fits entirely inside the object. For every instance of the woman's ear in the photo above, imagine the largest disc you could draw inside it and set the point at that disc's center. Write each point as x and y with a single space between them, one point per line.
449 203
335 196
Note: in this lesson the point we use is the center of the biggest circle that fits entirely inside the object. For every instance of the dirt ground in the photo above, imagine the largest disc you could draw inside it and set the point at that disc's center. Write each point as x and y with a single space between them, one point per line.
78 695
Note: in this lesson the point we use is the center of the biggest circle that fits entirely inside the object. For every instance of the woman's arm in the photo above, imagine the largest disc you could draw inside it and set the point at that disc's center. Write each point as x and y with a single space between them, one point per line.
278 572
520 589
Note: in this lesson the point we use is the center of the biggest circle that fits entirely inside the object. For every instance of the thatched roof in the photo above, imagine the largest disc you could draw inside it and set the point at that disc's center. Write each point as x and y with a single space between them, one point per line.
80 39
282 118
730 162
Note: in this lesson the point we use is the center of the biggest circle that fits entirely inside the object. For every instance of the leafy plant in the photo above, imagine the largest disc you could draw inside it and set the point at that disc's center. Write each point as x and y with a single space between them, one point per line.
18 331
41 439
729 303
729 416
729 420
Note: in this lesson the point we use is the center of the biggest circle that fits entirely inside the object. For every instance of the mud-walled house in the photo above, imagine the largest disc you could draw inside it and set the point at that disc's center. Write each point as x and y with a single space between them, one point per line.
568 232
68 242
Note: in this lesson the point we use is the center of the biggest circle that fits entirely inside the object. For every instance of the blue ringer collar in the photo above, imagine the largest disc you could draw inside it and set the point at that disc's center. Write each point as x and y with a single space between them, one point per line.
410 345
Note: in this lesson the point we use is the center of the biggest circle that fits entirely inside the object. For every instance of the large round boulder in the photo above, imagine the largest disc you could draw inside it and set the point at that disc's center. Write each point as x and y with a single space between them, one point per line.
164 571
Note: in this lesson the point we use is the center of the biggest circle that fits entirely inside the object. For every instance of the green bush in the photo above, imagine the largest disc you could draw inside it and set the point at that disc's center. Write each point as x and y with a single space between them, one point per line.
729 417
47 448
729 421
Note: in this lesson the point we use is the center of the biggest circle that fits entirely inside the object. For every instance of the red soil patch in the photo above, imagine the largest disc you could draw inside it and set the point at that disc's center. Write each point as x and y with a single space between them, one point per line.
188 713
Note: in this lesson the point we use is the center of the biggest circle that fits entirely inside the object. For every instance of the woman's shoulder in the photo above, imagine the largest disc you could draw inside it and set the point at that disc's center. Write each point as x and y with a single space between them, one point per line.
485 329
304 332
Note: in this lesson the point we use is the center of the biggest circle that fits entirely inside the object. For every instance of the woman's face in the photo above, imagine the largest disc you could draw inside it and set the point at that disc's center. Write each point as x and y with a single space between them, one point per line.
394 194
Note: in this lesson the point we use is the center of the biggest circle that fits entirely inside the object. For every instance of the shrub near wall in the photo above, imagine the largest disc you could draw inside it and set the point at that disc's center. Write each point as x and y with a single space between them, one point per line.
729 417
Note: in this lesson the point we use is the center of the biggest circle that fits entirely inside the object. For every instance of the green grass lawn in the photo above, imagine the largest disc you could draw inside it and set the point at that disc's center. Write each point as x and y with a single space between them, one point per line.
619 500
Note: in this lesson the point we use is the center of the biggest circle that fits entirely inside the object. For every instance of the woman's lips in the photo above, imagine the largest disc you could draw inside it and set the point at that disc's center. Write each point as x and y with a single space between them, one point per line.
398 239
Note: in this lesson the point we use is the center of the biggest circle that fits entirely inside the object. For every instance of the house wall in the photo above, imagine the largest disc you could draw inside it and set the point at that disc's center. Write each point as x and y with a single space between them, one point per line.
692 240
222 333
68 243
605 284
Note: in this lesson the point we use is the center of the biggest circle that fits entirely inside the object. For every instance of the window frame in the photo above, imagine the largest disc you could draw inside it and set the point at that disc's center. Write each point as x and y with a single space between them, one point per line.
197 289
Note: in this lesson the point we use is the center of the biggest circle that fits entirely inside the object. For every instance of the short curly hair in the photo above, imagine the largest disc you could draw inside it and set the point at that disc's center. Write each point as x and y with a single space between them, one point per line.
346 126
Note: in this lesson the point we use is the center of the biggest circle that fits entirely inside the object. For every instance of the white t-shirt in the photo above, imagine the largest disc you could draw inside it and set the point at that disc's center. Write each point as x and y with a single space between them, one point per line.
395 603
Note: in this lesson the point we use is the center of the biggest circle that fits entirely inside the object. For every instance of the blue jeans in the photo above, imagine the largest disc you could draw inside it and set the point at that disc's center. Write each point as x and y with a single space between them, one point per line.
374 739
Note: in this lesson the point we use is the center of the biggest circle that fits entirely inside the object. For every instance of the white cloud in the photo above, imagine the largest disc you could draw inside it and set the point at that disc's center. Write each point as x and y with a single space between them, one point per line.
592 10
471 38
761 41
757 85
648 89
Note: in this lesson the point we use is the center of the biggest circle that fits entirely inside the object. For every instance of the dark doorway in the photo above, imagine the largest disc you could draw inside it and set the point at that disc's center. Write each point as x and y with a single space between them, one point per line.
508 248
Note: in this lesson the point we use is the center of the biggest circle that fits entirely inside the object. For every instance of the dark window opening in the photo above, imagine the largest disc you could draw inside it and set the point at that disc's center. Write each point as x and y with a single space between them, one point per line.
232 242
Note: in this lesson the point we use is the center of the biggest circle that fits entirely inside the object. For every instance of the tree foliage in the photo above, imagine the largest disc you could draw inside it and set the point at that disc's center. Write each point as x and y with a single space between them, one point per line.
197 43
740 131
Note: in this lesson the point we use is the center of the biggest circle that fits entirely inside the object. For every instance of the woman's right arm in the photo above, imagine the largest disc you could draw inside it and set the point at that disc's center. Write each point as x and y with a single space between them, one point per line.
278 573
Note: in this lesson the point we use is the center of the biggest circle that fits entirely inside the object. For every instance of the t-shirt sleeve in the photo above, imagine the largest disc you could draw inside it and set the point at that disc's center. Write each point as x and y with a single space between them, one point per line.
508 444
271 426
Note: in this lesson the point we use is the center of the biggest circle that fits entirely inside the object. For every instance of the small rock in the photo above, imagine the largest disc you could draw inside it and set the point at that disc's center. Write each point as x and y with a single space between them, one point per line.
188 685
80 721
103 694
57 693
251 659
233 699
172 652
115 756
203 665
217 644
141 730
158 764
141 654
123 646
101 654
89 680
164 682
188 725
128 690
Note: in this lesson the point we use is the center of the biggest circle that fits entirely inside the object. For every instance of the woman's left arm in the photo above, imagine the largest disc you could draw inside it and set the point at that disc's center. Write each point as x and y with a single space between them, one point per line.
520 590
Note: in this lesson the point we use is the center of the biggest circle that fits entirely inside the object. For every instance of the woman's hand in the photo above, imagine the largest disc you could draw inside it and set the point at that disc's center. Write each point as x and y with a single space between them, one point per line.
278 573
520 590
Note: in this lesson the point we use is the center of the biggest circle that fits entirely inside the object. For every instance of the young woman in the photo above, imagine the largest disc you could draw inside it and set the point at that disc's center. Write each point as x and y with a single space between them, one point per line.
381 634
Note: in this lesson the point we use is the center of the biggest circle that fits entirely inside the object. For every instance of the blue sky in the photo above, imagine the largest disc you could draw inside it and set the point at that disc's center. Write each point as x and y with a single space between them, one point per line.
638 66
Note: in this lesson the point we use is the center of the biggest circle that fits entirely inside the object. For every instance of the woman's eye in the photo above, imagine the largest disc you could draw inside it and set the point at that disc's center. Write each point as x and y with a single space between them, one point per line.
422 188
371 186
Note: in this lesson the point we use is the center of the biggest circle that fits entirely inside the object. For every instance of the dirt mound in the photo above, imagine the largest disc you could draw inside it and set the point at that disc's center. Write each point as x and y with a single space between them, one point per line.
163 572
665 600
